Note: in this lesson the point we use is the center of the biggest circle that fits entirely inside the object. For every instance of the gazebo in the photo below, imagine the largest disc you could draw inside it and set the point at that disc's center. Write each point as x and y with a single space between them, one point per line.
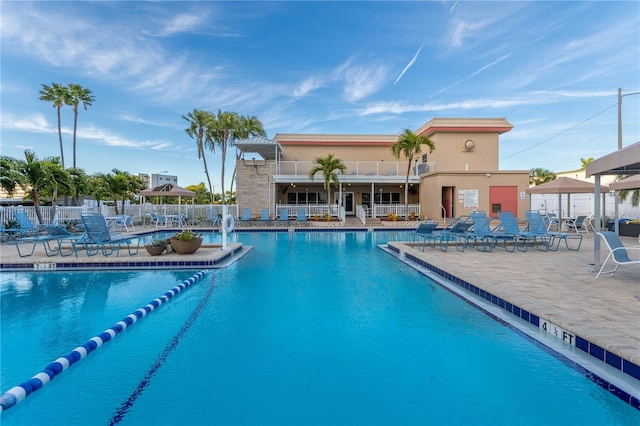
168 190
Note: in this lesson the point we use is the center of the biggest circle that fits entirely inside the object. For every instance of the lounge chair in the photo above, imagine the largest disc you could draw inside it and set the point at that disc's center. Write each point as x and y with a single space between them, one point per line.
578 224
509 224
537 226
552 222
454 233
424 233
98 238
213 217
485 238
25 226
617 252
284 216
246 215
153 217
264 216
301 217
55 234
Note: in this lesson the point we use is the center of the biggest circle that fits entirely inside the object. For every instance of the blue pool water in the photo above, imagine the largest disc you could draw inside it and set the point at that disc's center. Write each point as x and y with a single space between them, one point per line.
307 328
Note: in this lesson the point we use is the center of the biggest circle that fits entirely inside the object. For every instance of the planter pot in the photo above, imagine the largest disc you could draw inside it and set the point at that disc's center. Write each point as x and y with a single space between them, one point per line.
155 250
185 247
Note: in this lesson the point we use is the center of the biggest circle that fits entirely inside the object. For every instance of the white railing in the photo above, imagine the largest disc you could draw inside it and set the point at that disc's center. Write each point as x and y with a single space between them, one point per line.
65 214
361 214
383 210
311 210
357 168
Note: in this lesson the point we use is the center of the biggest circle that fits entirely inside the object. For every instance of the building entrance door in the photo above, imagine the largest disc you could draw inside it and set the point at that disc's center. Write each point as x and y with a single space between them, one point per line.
347 202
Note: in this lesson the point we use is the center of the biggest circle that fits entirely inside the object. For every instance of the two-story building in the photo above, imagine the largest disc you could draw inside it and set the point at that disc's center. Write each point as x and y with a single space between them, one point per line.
459 176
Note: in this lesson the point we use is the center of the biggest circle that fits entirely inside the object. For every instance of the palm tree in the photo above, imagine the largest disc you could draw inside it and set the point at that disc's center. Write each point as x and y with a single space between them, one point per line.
623 194
226 124
58 95
538 176
37 177
584 162
410 144
200 124
329 166
248 127
77 95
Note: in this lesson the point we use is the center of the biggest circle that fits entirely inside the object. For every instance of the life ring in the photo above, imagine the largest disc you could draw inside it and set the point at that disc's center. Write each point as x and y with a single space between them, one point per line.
229 223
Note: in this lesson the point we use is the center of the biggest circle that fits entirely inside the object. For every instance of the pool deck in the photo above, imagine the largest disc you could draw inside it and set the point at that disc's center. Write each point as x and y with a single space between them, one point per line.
555 286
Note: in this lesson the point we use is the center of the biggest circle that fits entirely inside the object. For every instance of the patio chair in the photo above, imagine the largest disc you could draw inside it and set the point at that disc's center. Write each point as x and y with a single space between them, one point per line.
537 226
126 222
161 221
284 216
509 224
552 221
98 238
213 217
485 238
246 215
25 226
153 217
577 224
55 234
264 216
453 233
301 217
424 233
617 252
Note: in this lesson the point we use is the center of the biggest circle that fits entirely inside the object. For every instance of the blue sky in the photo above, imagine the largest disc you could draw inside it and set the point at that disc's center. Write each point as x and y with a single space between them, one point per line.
551 68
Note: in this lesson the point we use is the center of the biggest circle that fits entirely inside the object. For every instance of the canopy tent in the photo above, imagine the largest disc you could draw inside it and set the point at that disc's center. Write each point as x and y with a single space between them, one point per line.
168 190
564 185
632 182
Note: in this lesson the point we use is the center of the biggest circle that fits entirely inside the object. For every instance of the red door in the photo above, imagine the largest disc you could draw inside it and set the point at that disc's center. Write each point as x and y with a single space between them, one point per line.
503 198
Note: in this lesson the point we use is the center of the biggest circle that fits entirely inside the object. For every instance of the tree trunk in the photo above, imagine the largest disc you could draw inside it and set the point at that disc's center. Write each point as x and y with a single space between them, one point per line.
60 137
75 127
406 192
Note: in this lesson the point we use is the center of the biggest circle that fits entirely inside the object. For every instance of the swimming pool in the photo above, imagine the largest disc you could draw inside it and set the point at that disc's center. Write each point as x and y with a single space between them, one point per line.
308 328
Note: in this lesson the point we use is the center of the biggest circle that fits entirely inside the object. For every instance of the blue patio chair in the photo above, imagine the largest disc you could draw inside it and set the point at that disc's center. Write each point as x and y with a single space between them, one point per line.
213 217
454 233
246 215
552 222
485 238
537 226
126 222
98 238
161 221
284 216
264 215
153 217
301 217
617 252
509 224
25 226
424 234
55 234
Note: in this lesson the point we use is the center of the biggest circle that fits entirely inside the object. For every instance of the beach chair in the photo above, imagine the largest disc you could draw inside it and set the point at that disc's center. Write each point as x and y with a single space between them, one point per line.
485 238
424 234
98 238
617 252
509 224
537 226
53 234
25 226
454 233
577 224
552 222
301 217
213 217
283 218
246 215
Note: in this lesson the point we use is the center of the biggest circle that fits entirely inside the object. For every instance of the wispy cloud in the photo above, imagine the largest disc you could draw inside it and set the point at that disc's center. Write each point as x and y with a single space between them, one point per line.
411 62
307 86
183 22
361 79
484 68
530 98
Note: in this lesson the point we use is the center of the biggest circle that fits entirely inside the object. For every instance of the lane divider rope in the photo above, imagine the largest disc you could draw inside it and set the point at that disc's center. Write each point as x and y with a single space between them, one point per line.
20 392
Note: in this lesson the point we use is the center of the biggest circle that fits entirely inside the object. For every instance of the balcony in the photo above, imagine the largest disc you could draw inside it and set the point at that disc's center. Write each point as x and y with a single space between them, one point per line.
356 171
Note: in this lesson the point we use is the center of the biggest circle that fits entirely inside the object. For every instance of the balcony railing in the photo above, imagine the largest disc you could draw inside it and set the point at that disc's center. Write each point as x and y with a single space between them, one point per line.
357 168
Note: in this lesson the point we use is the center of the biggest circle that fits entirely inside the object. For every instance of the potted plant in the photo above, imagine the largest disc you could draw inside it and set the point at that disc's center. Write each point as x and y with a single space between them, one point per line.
186 242
156 247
